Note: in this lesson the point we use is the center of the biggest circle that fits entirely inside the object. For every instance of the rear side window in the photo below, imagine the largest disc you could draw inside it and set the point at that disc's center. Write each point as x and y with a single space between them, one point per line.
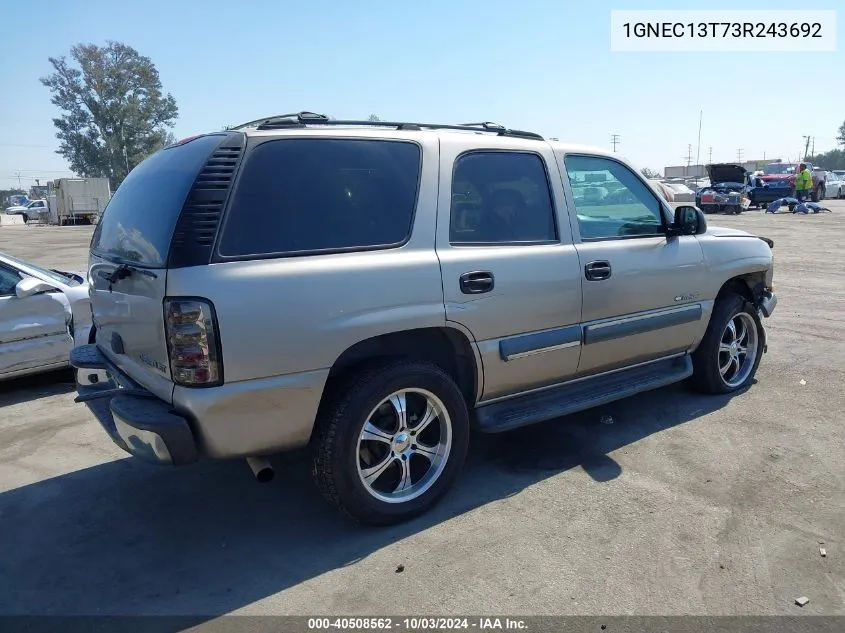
501 198
138 222
299 196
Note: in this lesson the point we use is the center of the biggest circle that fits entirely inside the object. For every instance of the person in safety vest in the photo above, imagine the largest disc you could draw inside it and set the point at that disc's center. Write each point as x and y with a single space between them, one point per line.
803 182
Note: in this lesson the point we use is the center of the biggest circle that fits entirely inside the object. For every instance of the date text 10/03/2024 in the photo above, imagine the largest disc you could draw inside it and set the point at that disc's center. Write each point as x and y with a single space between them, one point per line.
416 624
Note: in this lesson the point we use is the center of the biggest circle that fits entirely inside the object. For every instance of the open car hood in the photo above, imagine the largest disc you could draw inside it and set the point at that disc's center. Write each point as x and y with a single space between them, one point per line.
726 172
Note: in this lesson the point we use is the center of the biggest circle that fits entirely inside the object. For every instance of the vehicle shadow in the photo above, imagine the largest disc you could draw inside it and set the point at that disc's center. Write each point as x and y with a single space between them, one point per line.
28 388
127 538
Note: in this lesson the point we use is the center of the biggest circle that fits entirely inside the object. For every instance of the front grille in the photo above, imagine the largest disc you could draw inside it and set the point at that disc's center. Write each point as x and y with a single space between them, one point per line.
196 228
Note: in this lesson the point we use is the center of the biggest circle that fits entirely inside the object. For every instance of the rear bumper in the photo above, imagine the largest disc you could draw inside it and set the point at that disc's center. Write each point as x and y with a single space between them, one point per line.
136 420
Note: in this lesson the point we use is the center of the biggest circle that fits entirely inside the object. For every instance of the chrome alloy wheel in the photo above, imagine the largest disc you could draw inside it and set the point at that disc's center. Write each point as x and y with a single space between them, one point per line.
404 445
738 349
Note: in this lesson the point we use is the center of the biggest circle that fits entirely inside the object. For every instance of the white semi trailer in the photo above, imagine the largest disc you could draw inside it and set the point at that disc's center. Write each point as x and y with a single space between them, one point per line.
78 200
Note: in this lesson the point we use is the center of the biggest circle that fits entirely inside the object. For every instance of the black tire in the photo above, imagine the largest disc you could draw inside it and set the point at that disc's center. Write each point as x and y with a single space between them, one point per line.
706 376
818 194
342 416
25 218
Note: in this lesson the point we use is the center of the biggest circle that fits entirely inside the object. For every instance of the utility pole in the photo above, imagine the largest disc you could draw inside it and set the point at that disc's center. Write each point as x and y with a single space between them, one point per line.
689 159
18 174
710 156
739 155
614 138
806 146
698 146
813 151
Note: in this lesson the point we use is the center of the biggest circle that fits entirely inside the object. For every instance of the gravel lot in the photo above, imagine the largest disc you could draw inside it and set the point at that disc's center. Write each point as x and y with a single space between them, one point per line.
685 505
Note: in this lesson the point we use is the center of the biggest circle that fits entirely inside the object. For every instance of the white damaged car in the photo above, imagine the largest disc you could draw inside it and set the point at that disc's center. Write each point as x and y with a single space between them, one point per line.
43 315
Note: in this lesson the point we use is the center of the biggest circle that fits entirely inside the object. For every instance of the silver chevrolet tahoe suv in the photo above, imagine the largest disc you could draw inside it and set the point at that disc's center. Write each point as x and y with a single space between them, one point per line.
374 290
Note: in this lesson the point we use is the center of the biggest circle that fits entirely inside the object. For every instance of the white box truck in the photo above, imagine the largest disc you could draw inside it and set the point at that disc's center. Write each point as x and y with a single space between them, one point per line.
78 200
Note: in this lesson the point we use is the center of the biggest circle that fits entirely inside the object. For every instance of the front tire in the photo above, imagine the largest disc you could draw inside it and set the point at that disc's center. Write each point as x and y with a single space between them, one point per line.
390 441
727 358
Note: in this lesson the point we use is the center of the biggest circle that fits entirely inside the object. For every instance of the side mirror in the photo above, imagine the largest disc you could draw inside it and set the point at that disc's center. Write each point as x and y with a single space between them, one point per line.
689 220
31 286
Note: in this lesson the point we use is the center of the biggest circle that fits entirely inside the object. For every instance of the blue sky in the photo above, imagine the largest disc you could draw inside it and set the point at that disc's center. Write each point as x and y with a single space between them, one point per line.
544 66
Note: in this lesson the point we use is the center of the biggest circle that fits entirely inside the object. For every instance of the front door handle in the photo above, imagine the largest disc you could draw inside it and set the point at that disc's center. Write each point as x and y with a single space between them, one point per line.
476 282
597 271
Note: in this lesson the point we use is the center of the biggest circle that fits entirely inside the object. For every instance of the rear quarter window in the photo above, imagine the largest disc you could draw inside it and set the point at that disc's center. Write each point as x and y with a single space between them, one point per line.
304 196
138 222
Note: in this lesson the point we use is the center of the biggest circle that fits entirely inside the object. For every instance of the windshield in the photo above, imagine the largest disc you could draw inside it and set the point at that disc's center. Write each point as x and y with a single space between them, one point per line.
780 168
30 269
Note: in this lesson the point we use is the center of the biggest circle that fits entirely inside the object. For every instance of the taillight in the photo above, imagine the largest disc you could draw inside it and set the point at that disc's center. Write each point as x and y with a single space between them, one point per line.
192 342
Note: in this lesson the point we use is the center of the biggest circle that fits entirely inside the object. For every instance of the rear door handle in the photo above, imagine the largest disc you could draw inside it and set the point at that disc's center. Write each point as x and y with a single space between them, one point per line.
476 282
597 271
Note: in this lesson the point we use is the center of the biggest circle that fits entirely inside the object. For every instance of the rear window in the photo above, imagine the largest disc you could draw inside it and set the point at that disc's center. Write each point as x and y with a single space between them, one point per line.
300 196
138 222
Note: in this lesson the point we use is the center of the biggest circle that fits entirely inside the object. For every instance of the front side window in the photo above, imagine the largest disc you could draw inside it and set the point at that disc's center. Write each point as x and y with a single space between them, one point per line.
300 196
611 201
9 278
501 197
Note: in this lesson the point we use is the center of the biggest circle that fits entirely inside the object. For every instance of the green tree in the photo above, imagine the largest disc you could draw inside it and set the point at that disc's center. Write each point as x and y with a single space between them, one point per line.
114 113
834 159
841 135
649 173
373 117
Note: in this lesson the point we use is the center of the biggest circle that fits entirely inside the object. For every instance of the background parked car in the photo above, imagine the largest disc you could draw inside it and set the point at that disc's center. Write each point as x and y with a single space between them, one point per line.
43 314
32 209
681 191
782 175
729 191
834 186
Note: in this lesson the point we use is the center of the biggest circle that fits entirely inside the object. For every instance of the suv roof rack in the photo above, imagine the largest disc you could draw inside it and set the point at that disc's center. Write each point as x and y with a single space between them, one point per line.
302 119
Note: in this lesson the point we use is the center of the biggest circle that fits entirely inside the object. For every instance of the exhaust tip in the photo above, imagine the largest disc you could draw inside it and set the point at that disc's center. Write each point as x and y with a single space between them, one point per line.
261 469
265 475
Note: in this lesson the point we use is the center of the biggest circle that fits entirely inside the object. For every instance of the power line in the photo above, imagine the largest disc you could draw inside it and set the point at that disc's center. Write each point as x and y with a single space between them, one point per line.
614 138
47 171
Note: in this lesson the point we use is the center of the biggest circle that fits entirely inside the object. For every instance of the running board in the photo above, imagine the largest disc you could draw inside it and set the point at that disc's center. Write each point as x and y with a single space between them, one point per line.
579 395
